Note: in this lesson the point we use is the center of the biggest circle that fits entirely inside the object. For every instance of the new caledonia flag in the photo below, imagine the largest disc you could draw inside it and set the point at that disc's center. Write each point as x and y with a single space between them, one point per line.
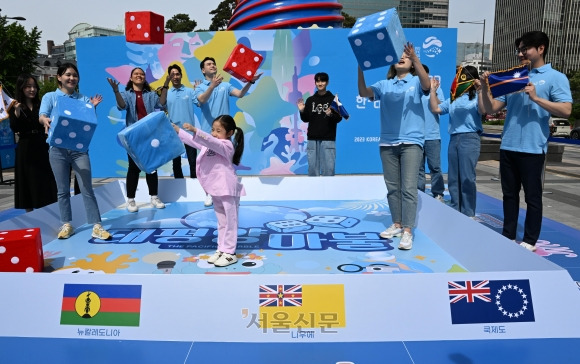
477 302
101 305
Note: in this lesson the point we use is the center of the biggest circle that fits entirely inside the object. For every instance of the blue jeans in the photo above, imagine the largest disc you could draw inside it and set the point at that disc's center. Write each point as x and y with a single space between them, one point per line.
463 154
516 170
400 171
321 157
432 152
61 161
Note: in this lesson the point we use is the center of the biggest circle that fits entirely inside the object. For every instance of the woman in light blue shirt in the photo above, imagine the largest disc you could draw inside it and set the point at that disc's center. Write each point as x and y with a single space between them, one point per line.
402 138
62 160
465 110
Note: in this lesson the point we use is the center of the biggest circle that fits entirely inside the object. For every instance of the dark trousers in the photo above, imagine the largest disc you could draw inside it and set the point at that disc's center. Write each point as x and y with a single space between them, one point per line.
191 153
133 180
521 170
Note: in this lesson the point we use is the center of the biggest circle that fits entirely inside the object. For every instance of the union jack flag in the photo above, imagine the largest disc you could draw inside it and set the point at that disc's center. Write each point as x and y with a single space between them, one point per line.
281 295
469 290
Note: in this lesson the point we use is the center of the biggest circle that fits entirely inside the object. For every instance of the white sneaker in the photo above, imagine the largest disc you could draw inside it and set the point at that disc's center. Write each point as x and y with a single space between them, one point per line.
208 201
391 231
215 256
528 246
440 198
406 241
225 259
132 206
156 202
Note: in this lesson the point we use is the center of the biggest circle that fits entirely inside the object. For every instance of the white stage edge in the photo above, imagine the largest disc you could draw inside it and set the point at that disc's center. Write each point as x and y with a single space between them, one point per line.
377 307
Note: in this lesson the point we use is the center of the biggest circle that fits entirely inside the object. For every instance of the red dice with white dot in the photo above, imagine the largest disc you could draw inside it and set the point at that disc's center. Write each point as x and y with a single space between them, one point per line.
21 251
144 27
243 63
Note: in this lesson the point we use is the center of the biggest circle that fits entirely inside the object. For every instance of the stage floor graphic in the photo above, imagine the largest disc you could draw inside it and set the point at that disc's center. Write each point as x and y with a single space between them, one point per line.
274 237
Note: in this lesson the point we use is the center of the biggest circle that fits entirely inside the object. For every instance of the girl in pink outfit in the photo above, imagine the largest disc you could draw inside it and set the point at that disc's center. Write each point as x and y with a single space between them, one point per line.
217 176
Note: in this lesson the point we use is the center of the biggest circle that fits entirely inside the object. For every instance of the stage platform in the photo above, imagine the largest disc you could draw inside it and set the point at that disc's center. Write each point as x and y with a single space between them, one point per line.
314 282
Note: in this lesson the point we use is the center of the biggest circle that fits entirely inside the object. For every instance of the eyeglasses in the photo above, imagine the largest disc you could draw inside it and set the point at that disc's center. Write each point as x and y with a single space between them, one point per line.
523 50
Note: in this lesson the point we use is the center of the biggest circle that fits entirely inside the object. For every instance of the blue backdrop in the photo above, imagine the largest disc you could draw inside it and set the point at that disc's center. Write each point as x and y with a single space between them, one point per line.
275 136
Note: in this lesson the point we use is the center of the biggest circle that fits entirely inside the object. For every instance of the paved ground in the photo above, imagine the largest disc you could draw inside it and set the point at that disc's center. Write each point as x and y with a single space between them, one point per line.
561 187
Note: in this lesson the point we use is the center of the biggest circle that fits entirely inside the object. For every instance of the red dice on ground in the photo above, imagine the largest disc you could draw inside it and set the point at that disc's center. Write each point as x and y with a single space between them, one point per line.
144 27
21 251
243 63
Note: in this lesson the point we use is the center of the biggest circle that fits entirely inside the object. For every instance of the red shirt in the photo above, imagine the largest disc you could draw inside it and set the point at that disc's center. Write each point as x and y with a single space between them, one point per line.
140 105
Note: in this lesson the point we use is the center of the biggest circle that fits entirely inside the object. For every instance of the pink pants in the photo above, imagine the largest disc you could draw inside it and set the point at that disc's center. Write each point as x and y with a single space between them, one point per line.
226 211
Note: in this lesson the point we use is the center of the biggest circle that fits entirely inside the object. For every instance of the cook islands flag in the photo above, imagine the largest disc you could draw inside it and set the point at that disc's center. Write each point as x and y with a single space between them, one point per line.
509 81
477 302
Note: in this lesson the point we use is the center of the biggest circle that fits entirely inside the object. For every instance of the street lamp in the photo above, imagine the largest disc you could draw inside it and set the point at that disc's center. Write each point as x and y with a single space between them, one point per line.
14 17
480 22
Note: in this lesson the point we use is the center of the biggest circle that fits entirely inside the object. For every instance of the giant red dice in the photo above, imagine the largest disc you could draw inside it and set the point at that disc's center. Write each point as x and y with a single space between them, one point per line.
144 27
243 63
21 251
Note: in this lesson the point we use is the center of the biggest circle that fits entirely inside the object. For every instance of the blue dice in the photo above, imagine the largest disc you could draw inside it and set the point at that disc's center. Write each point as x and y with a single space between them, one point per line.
151 142
73 123
377 40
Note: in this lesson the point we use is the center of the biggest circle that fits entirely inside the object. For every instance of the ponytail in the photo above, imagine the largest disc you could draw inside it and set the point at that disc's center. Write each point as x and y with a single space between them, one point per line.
238 145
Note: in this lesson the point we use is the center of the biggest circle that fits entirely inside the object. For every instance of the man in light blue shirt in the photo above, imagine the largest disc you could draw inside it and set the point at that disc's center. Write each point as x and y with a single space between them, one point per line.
525 135
180 101
212 95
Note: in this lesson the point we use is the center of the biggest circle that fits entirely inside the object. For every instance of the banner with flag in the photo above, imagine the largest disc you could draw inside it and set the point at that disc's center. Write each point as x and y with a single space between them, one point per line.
337 105
316 306
6 103
501 301
462 82
101 305
508 81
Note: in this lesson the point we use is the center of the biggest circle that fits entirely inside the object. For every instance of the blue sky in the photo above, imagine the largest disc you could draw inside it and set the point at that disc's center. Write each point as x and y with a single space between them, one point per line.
56 18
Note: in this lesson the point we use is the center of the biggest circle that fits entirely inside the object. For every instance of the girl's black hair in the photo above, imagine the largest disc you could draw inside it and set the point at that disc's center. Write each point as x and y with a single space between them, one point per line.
472 71
146 87
20 83
229 124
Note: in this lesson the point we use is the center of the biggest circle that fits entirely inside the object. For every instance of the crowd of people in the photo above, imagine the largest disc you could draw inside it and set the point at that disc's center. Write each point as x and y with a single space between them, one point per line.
410 104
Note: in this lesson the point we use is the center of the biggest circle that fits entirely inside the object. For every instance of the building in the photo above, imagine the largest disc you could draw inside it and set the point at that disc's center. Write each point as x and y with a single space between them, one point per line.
413 14
559 19
84 30
470 54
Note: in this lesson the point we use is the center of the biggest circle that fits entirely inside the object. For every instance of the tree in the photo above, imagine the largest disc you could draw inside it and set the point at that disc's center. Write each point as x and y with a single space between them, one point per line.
222 15
47 86
348 20
18 50
180 23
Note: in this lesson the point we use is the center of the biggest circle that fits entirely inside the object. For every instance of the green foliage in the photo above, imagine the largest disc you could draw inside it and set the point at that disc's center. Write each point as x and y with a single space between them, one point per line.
222 15
18 49
180 23
348 20
47 86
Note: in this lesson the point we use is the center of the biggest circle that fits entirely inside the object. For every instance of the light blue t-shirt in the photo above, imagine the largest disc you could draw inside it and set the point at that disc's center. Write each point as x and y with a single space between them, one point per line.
217 104
432 129
402 114
49 101
526 126
464 116
180 103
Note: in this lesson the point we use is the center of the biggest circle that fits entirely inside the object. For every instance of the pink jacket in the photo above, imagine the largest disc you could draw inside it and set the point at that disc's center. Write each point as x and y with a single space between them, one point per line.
215 170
